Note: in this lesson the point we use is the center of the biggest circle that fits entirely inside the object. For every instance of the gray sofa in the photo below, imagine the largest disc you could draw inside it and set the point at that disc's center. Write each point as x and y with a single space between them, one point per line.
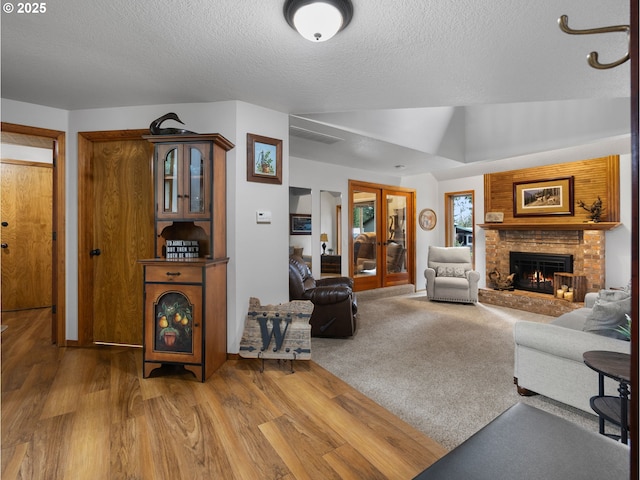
548 356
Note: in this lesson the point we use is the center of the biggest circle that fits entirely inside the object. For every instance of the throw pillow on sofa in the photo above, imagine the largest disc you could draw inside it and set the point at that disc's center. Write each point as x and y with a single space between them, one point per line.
612 295
608 313
450 271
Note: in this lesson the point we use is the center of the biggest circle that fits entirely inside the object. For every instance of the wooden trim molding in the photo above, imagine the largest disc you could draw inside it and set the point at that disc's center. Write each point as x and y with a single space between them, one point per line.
85 240
58 326
634 54
448 219
24 163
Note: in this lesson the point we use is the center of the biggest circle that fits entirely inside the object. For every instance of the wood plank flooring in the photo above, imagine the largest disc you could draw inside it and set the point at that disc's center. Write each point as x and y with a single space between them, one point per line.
87 413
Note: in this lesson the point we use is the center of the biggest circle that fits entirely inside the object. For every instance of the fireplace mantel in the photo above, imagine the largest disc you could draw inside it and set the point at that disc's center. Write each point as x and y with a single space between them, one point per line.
550 226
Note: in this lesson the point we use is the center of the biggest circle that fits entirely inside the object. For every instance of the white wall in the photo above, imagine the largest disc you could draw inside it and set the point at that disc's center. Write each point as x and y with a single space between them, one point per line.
329 202
500 131
25 153
476 184
618 241
32 115
300 203
259 252
201 118
427 196
320 176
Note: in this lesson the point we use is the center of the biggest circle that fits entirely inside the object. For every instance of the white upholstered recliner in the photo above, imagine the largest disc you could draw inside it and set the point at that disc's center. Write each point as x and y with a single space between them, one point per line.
450 275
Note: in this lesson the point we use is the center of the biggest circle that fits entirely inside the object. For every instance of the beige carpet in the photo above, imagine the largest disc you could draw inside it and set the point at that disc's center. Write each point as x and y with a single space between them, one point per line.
445 368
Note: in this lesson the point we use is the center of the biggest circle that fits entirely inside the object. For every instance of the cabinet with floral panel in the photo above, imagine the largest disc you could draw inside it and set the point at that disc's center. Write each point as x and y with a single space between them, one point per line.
185 310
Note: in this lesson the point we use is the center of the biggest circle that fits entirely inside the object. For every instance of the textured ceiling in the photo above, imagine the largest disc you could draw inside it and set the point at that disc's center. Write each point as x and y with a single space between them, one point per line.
409 54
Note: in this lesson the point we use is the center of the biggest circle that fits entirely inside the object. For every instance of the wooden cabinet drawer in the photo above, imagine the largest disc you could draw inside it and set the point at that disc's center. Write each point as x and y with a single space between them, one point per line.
173 273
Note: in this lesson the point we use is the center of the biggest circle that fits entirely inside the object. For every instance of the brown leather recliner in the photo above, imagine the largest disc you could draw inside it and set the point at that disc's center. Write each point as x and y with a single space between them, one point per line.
334 303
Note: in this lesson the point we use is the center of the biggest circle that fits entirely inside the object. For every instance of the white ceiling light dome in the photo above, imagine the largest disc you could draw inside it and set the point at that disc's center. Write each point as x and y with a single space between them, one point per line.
318 20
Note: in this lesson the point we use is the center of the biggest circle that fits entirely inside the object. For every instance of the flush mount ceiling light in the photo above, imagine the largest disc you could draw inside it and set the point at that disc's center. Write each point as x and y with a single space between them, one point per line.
317 20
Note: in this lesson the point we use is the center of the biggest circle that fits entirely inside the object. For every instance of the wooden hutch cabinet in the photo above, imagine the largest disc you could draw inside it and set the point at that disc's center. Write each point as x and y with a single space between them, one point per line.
185 286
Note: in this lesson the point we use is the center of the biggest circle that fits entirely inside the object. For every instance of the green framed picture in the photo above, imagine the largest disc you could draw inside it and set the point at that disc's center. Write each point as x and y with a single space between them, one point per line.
264 159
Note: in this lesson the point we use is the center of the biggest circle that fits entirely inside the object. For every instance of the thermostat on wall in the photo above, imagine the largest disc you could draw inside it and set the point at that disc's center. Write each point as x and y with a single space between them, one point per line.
263 217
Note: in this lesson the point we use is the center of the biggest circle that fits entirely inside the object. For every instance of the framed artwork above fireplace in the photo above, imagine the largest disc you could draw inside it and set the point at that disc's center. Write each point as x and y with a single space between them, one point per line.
543 197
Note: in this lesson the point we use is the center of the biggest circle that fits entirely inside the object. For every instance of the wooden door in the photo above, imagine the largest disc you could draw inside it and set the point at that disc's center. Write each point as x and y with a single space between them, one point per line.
397 246
121 224
366 223
382 221
26 211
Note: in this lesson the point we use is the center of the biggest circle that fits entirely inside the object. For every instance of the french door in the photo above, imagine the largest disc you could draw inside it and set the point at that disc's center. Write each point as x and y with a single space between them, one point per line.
382 247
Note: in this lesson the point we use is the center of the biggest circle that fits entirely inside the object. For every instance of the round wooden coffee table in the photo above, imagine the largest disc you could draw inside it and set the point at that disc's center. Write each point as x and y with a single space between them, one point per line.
614 409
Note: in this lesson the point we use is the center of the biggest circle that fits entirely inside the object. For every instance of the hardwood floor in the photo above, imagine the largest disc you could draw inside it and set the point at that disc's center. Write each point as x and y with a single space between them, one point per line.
80 413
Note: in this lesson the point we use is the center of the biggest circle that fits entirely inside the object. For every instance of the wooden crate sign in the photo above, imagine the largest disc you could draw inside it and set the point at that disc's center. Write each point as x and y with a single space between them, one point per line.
279 332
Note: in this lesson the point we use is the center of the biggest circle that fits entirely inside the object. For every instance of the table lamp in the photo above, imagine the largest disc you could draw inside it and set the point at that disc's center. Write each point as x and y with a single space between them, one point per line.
324 238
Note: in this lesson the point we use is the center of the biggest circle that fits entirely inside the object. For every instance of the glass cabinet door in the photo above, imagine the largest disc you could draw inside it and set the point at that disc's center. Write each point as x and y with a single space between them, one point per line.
196 184
183 181
169 187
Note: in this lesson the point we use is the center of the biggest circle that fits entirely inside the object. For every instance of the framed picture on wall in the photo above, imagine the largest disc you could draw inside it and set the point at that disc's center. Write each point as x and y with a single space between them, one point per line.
543 197
264 159
300 224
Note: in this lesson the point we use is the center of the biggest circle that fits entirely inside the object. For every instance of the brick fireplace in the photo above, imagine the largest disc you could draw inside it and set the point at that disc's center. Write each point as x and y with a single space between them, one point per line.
570 233
586 246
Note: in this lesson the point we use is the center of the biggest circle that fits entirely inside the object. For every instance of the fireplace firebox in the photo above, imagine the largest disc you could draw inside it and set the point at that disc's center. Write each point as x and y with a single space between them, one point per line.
534 271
